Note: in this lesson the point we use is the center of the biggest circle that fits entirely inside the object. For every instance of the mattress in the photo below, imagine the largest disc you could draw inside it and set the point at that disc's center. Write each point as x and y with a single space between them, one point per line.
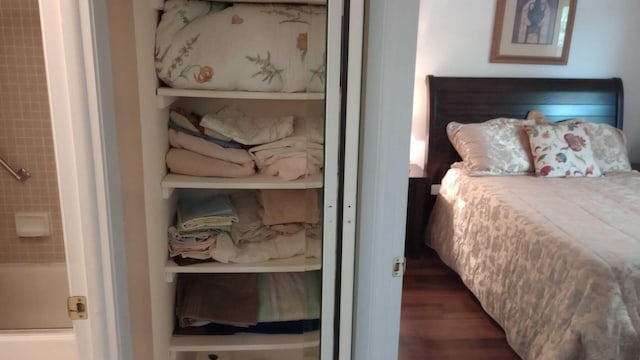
555 261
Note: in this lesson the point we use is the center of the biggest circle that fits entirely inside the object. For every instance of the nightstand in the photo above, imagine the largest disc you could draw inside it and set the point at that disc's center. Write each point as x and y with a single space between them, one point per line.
419 191
635 166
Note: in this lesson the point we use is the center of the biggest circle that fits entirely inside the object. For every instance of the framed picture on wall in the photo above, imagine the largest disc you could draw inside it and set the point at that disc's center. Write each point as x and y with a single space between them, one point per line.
532 31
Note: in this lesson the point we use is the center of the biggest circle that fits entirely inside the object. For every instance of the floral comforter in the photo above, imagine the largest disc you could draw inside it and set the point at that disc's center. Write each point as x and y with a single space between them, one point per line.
556 262
251 47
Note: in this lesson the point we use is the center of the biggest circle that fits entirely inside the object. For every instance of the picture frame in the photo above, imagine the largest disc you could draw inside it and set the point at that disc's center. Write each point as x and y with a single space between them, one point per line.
532 31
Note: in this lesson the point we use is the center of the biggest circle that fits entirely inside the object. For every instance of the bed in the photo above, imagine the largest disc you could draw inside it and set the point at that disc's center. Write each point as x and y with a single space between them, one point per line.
241 47
553 259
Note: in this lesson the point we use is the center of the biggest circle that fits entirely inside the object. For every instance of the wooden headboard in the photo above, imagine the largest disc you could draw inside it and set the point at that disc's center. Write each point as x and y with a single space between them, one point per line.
474 99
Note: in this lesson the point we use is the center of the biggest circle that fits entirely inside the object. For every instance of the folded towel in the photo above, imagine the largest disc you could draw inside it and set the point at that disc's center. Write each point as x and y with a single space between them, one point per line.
189 123
289 206
222 298
201 146
248 130
289 296
249 227
204 212
186 162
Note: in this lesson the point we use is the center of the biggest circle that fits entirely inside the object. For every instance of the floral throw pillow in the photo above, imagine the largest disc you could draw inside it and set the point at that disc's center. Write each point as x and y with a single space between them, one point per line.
562 150
607 142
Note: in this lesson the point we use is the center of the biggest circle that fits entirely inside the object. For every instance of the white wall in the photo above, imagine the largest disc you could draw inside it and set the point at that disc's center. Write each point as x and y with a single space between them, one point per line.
455 37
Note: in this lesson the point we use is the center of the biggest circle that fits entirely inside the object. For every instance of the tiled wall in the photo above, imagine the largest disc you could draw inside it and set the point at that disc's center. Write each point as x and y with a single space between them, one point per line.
25 135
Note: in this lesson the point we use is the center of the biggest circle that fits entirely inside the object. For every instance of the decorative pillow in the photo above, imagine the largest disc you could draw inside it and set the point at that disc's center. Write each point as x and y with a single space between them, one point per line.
562 150
607 142
497 146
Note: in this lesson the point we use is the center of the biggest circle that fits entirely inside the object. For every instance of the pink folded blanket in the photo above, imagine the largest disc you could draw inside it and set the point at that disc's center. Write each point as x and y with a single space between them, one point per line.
180 161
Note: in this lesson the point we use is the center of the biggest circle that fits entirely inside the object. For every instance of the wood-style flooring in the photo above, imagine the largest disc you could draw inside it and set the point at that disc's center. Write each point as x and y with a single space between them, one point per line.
442 320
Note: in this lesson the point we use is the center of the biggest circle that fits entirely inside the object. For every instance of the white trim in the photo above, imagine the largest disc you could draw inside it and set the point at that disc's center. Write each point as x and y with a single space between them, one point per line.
350 190
89 193
391 46
332 133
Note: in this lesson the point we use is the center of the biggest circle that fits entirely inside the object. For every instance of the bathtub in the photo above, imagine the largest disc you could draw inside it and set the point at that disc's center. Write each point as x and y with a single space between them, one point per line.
33 317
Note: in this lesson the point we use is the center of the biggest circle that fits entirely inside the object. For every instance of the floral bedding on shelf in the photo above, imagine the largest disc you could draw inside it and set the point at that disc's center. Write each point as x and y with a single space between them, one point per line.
249 47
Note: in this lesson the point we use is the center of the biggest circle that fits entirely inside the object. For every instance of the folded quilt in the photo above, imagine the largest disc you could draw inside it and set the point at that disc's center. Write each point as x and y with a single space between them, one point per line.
246 129
289 206
279 247
222 298
180 161
252 47
201 146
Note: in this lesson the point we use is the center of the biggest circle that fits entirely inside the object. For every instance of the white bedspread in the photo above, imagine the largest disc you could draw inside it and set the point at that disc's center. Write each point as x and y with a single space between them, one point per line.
556 262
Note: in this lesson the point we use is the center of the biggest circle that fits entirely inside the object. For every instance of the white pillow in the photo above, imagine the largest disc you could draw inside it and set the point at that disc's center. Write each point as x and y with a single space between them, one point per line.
498 146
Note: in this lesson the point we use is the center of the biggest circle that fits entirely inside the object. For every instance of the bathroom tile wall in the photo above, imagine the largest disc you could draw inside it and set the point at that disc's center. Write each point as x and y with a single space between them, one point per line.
26 136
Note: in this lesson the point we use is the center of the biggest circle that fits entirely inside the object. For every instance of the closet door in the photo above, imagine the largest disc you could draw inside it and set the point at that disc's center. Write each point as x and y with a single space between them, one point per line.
299 194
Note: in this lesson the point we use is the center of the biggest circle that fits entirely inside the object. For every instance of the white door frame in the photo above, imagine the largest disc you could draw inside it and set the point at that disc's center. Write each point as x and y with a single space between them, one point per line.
388 97
80 95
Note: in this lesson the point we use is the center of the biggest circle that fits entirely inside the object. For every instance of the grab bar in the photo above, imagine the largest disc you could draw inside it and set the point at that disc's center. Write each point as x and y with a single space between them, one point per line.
21 175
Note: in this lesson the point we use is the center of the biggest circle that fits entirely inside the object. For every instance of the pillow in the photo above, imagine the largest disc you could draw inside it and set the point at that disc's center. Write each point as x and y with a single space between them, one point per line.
497 146
562 150
608 143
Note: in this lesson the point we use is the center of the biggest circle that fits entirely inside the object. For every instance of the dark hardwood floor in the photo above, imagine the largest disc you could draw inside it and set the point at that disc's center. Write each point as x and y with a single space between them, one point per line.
442 320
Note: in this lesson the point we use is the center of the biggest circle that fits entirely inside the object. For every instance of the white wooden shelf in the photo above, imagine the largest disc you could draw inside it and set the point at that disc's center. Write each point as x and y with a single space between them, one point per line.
258 181
166 95
294 264
244 342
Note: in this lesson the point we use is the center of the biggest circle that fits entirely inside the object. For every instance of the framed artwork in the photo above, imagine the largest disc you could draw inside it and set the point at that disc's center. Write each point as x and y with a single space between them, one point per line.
532 31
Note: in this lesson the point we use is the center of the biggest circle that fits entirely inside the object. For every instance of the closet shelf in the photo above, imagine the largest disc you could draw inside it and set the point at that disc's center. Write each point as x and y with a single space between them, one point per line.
244 342
166 95
258 181
294 264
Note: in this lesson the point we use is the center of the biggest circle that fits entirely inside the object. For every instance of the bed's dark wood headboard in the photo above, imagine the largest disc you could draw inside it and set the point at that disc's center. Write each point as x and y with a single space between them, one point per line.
473 100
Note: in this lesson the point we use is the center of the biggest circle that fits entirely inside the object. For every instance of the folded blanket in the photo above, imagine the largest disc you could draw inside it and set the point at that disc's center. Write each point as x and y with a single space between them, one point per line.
249 227
189 123
290 158
201 146
289 206
248 130
280 247
222 298
310 128
293 167
186 162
